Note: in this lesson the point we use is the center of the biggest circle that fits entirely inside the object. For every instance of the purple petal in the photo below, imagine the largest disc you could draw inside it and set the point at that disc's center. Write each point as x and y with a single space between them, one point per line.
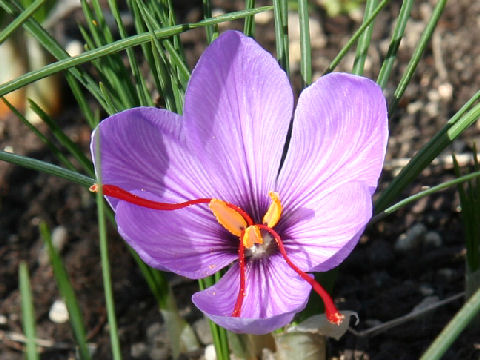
144 148
237 110
274 293
339 135
188 241
318 236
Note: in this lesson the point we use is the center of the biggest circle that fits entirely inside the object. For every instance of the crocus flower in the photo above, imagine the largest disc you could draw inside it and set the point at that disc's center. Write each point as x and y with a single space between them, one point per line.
195 193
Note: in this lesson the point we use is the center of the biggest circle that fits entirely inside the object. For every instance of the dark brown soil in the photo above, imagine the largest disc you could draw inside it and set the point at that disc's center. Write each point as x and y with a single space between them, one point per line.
379 282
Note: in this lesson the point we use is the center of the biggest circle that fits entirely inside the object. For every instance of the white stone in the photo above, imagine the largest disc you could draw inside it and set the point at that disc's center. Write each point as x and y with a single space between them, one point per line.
210 353
58 312
202 328
59 238
264 17
74 48
445 90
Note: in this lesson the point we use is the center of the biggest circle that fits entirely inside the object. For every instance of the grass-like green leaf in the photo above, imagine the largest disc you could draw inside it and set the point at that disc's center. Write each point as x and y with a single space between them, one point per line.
116 46
281 33
424 193
20 19
452 129
355 37
453 329
398 32
47 168
249 26
469 204
64 139
364 41
28 314
305 45
66 291
417 54
107 282
219 334
13 8
51 146
211 30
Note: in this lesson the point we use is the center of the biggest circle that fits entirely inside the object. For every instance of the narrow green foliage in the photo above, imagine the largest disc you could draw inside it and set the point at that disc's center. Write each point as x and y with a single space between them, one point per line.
107 283
119 45
355 37
415 59
52 147
64 139
470 205
20 19
281 33
113 72
168 83
43 11
210 30
53 47
453 329
161 65
140 85
47 168
305 45
66 290
28 314
364 41
219 334
424 193
398 32
249 26
452 129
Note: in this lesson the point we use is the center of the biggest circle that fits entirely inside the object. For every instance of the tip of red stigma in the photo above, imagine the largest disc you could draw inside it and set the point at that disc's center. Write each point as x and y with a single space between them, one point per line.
336 318
93 188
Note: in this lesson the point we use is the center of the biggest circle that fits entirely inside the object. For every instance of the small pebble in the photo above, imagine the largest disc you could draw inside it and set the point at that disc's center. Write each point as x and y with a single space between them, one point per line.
412 238
3 319
426 290
58 312
138 350
433 239
446 273
203 331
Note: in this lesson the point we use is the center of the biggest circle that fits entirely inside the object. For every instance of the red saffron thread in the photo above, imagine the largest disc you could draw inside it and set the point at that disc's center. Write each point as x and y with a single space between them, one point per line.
241 291
119 193
333 315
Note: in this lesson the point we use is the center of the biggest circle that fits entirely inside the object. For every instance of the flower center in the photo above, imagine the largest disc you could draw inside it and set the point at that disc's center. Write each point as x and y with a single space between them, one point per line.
240 224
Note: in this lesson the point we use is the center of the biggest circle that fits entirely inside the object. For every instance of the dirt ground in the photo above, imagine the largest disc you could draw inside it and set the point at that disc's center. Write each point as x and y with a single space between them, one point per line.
386 276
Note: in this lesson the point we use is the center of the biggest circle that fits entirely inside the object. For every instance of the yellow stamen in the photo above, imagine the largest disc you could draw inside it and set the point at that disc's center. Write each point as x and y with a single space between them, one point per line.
272 216
229 218
252 236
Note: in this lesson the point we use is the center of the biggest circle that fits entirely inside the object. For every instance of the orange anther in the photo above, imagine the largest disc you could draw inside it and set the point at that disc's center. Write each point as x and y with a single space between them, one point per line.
272 216
252 236
228 217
